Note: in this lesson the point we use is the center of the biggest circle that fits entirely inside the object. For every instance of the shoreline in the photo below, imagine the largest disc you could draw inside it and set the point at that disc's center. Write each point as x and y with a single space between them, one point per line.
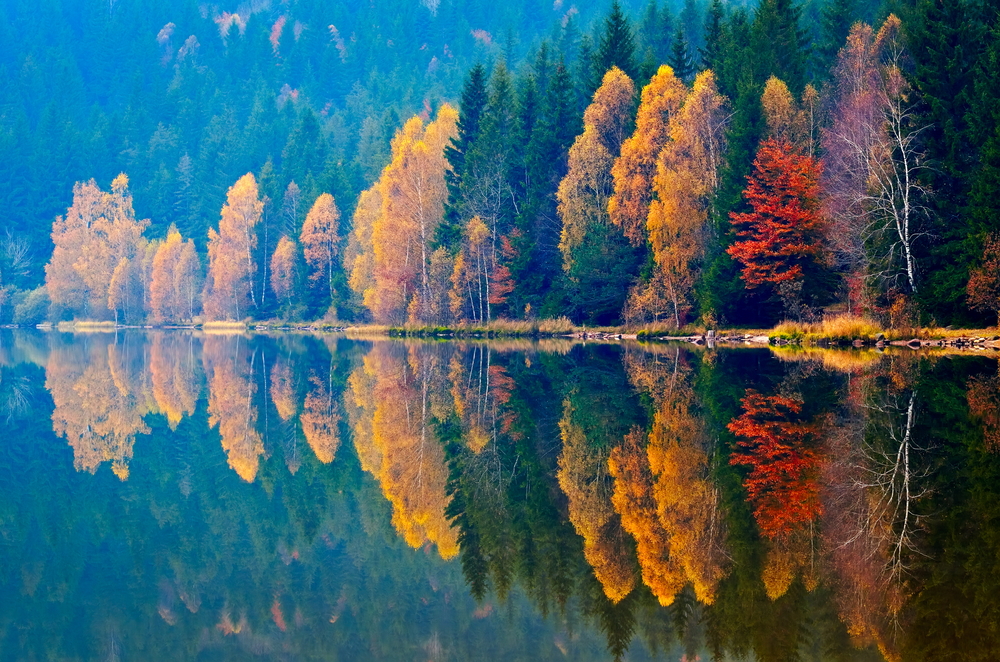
785 334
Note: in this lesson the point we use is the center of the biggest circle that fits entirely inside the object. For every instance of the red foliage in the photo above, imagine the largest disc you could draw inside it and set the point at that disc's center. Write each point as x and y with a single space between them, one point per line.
783 483
784 230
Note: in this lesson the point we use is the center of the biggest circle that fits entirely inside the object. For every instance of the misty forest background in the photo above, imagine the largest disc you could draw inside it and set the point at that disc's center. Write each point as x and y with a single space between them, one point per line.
188 97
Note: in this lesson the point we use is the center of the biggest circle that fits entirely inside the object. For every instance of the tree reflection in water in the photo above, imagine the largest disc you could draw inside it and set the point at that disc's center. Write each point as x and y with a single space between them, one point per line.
303 496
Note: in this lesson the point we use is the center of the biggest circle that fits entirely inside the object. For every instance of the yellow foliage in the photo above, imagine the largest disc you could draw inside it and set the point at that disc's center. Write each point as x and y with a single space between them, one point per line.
320 421
588 185
400 450
230 403
283 390
584 479
633 170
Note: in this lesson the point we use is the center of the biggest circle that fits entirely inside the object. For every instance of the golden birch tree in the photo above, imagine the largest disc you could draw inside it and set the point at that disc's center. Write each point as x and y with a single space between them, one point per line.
320 239
284 270
634 170
229 286
686 179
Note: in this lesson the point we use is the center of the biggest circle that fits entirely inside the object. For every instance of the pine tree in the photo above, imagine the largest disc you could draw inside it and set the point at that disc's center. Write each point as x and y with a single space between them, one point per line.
711 53
680 58
617 47
473 105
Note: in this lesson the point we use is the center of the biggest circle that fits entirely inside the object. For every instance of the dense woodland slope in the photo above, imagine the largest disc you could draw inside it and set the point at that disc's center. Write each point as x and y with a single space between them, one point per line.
443 162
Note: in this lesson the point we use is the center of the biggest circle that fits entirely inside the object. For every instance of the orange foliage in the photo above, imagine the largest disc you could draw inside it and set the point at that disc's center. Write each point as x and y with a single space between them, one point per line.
411 194
675 470
584 479
320 420
98 407
231 389
175 381
633 171
633 500
776 445
396 443
283 268
283 390
98 234
230 253
588 185
686 179
320 239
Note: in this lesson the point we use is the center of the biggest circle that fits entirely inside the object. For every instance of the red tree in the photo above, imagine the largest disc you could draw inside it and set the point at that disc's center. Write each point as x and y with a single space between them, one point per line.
783 233
783 485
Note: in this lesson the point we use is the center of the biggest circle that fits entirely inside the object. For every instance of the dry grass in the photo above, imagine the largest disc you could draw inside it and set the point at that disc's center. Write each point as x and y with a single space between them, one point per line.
836 328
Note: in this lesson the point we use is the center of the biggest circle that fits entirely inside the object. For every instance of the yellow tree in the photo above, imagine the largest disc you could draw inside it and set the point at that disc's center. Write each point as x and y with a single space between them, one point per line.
228 288
584 478
162 288
684 186
633 171
284 269
231 390
174 375
395 442
598 260
584 193
98 409
187 276
410 194
787 120
633 500
359 256
320 240
98 236
320 419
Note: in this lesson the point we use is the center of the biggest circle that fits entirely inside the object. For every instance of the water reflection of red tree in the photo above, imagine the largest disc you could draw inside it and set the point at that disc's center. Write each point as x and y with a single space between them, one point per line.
776 444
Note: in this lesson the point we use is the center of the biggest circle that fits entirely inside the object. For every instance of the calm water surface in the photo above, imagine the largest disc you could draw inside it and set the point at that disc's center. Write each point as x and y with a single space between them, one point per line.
186 496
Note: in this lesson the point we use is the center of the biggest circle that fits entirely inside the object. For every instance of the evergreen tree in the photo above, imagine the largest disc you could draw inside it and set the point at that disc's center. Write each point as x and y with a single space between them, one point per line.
711 53
680 59
836 19
473 104
617 46
944 44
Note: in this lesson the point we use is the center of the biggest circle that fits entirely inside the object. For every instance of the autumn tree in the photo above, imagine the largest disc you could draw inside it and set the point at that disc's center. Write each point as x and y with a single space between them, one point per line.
231 407
410 193
781 239
229 285
788 120
98 407
778 446
872 161
396 443
173 279
634 169
320 419
687 176
597 259
284 271
983 289
175 376
98 236
320 241
584 478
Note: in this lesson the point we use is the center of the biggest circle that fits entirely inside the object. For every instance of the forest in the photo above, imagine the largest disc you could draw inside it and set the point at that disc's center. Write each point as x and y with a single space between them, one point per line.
444 163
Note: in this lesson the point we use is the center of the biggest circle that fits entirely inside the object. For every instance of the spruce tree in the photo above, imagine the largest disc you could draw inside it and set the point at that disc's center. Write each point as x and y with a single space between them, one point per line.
617 47
711 52
680 59
473 104
944 43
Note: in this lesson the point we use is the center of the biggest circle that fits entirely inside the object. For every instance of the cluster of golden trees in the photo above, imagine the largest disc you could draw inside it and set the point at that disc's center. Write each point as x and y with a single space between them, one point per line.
103 267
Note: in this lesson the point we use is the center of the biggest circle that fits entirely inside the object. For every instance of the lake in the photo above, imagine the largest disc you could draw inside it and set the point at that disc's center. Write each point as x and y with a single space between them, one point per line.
178 495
